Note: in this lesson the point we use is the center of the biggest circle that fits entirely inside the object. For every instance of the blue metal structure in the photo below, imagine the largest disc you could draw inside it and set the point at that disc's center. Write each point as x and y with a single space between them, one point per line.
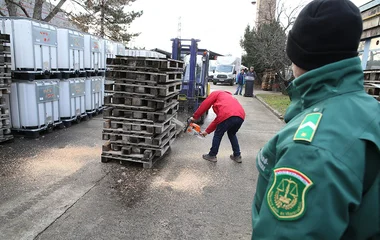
194 83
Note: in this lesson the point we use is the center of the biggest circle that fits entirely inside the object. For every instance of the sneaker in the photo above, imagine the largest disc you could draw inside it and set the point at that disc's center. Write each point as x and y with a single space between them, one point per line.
236 158
209 158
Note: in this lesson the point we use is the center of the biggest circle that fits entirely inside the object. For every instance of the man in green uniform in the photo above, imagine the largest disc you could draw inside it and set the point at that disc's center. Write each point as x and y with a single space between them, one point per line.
319 177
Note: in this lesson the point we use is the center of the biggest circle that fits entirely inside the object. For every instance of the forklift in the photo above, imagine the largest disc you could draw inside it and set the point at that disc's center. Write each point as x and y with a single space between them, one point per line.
195 87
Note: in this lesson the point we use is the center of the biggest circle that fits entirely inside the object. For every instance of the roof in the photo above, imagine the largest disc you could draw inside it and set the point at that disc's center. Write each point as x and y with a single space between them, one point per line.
369 5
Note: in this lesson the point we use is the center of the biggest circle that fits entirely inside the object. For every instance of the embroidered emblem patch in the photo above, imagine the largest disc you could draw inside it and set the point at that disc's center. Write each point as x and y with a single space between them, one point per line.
286 197
308 127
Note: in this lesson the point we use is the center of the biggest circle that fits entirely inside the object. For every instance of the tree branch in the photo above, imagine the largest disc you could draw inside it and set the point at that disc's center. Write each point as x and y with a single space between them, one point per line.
81 5
20 6
54 11
2 14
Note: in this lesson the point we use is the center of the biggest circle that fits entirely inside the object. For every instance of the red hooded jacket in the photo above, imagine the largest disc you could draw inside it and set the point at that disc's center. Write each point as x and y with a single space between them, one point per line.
224 106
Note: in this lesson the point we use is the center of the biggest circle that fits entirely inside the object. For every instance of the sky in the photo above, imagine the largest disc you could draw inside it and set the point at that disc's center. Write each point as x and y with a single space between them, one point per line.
219 24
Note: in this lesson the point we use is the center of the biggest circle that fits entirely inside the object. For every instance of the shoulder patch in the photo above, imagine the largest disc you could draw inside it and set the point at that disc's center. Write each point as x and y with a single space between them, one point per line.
286 197
308 127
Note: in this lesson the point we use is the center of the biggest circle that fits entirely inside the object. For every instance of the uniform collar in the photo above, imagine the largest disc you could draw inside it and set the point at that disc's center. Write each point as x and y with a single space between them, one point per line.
323 83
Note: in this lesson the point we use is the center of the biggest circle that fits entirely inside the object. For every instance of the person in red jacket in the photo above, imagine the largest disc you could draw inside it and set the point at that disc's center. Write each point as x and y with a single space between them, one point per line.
230 116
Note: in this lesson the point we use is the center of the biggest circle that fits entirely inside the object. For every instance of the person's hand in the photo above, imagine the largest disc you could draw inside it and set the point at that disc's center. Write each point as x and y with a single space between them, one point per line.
203 134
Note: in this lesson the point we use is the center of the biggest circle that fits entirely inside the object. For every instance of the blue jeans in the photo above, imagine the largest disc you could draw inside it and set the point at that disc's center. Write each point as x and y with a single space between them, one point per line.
239 89
231 126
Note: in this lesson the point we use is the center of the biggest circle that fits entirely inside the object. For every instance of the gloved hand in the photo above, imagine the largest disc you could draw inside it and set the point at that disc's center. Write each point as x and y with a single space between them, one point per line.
191 119
203 134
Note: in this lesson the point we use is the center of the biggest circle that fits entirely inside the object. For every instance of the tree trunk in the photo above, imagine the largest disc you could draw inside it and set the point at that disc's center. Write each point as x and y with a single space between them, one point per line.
37 13
12 9
102 19
54 11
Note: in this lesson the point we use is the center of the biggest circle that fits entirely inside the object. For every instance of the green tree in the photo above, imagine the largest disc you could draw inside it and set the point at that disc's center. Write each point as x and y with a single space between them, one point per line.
107 18
265 47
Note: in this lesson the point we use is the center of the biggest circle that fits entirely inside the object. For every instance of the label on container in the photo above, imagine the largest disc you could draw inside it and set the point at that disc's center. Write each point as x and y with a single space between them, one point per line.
44 36
76 41
47 93
95 45
77 89
120 50
109 49
96 86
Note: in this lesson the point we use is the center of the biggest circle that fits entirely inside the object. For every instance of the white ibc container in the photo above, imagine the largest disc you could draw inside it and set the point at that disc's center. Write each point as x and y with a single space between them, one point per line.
94 58
34 44
110 48
35 105
72 98
120 49
144 53
70 50
94 94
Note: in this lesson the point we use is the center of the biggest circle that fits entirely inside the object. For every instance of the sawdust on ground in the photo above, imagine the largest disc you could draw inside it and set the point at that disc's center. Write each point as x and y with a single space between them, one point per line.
63 161
190 181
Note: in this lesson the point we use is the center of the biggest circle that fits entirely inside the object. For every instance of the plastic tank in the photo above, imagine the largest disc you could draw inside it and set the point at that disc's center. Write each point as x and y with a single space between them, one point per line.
72 98
93 53
94 93
34 44
110 49
120 49
144 53
70 50
35 105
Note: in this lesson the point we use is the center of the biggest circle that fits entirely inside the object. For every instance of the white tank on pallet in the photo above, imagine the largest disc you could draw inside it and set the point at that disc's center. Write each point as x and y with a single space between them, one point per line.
120 49
143 53
34 44
72 93
35 105
110 49
70 50
94 93
94 58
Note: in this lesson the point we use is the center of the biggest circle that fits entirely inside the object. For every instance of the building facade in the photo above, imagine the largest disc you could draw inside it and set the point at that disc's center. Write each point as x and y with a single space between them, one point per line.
265 11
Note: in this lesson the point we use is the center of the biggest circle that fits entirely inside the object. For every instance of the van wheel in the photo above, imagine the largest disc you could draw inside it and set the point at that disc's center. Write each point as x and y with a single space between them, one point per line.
214 82
231 83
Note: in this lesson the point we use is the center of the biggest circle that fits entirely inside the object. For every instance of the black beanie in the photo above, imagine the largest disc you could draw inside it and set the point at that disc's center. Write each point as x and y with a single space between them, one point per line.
324 32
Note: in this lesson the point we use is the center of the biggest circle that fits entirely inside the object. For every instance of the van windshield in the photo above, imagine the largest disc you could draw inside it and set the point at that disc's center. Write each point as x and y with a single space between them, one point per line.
224 68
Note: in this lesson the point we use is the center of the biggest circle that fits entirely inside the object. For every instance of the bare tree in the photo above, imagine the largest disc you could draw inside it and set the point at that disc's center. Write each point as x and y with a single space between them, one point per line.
265 43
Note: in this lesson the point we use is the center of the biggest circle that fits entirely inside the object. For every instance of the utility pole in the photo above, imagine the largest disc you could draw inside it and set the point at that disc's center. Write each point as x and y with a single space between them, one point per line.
179 29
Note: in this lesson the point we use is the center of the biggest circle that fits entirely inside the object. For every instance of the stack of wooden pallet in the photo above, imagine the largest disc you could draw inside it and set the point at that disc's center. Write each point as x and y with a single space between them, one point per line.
5 86
141 102
372 83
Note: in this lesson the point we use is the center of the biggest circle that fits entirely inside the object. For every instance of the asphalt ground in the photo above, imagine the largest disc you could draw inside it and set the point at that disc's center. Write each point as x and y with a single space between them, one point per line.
55 187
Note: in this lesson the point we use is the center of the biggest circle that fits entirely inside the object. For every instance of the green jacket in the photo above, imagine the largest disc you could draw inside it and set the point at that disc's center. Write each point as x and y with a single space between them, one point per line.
319 177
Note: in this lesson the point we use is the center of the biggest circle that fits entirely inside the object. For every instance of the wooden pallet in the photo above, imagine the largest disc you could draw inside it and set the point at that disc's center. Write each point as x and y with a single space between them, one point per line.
167 77
5 38
5 49
5 138
5 60
146 90
134 127
147 157
139 139
144 63
132 115
120 100
5 121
